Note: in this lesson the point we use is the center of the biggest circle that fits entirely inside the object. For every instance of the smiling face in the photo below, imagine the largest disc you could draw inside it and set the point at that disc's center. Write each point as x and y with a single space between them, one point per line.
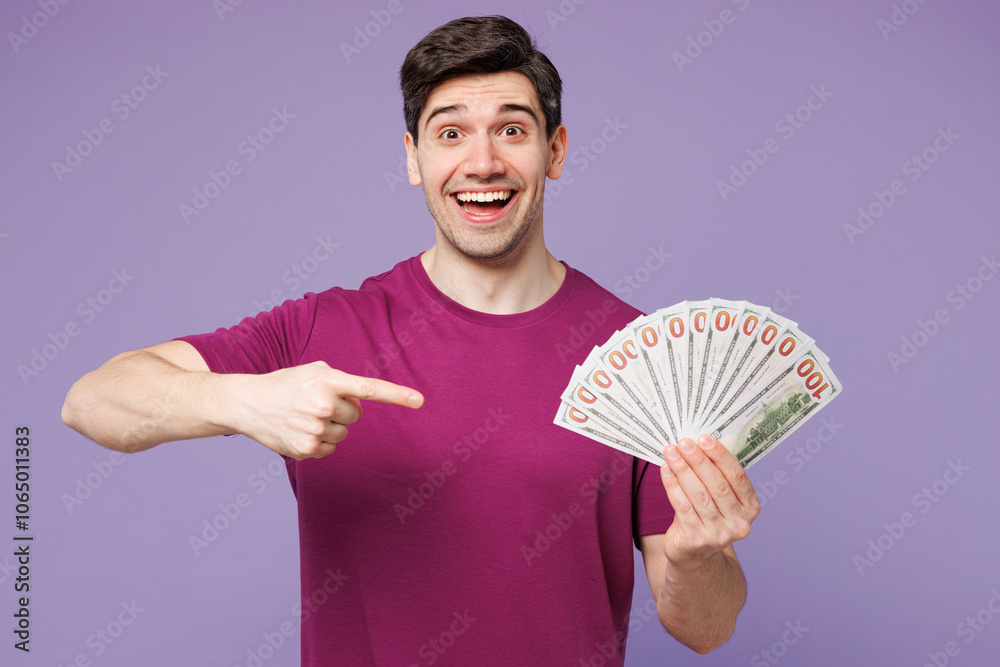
483 159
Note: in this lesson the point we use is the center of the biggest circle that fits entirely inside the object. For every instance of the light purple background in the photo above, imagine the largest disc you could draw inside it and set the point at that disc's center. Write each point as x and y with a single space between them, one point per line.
655 185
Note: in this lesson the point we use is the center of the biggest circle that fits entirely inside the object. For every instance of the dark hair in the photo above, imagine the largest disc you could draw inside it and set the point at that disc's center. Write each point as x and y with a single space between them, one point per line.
477 45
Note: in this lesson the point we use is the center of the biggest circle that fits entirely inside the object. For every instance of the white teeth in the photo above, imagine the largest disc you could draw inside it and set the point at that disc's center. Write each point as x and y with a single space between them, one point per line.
500 195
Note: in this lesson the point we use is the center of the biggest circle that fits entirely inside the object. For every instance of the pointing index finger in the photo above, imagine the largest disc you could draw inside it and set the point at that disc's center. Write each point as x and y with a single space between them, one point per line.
383 391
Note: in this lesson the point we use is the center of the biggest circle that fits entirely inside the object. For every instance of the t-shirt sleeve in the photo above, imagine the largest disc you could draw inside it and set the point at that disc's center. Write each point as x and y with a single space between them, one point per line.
651 510
264 343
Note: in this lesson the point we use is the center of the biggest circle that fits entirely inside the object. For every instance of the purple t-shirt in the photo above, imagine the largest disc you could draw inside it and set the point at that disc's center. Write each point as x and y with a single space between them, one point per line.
472 530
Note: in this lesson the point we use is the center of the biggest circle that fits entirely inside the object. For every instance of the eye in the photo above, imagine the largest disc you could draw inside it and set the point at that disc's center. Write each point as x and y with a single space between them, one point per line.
512 131
450 134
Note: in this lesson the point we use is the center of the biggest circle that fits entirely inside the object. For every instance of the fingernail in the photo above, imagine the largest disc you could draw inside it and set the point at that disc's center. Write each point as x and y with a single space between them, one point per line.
673 454
415 400
687 445
706 442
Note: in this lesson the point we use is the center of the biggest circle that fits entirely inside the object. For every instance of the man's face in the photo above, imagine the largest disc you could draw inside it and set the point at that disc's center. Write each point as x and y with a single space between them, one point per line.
483 159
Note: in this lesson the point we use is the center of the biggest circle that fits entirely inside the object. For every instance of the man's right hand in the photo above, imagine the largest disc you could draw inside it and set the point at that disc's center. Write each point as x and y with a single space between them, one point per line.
141 398
304 411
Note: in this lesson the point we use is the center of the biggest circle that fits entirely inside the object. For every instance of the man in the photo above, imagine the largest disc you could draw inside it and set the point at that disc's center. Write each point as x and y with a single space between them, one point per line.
472 530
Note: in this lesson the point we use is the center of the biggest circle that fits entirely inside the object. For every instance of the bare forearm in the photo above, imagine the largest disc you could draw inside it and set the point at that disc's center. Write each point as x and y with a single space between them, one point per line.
698 604
138 400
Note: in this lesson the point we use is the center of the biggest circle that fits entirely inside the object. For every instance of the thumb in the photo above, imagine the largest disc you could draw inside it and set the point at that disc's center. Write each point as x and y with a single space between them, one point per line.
357 402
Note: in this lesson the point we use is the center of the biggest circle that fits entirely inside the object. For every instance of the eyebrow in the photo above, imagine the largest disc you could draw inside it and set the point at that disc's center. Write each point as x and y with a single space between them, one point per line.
461 108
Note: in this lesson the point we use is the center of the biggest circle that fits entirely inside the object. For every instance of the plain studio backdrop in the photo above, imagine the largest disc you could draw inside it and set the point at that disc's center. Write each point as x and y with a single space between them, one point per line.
170 168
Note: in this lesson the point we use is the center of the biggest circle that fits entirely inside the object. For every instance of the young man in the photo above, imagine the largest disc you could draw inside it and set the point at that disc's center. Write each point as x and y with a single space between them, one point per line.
471 530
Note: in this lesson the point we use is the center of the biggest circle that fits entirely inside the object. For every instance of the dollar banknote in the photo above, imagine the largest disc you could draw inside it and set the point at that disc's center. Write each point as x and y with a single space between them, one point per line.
735 370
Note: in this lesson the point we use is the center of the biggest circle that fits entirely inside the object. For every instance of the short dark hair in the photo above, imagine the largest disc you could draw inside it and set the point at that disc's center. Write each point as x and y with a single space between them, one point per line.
477 45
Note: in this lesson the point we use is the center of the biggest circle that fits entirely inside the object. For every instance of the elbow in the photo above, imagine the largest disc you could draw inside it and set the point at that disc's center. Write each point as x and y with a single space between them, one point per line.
704 648
75 409
70 409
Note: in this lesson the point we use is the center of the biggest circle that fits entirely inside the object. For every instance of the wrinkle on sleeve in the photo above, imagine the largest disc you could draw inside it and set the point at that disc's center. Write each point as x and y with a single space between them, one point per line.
263 343
652 513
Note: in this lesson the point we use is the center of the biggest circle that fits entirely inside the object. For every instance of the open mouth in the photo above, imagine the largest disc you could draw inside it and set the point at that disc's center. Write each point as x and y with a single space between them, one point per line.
485 204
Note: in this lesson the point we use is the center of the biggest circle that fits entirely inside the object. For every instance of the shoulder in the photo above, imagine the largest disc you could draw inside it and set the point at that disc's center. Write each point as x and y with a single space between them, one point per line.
375 291
587 289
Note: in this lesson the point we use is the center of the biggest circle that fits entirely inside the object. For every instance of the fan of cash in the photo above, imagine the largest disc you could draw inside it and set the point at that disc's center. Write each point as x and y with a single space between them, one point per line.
736 371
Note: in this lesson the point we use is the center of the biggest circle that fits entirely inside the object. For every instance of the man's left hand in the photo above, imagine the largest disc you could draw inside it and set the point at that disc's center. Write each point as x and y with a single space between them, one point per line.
714 502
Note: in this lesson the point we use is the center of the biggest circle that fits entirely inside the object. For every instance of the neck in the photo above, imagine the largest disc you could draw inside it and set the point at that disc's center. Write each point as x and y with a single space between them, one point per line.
504 287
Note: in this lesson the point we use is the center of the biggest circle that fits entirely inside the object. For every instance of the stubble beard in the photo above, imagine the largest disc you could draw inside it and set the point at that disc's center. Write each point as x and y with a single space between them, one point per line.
499 247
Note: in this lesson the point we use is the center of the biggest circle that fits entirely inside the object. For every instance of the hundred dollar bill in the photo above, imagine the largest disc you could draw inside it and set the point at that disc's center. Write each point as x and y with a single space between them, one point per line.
659 356
753 322
727 356
596 378
612 412
697 340
570 417
620 358
746 375
723 317
773 347
769 415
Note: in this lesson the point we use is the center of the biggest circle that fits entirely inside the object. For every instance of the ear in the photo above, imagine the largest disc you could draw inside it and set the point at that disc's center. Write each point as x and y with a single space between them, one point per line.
411 160
557 152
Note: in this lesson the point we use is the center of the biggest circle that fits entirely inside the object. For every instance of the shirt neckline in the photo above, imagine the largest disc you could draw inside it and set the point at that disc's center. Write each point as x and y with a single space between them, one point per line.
492 320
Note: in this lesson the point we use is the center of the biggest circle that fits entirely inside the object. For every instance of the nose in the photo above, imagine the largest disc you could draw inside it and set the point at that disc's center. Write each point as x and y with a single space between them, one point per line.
483 159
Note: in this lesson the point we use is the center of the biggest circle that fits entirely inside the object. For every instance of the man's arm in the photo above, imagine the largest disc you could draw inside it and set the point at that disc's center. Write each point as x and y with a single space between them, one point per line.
697 605
693 572
145 397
